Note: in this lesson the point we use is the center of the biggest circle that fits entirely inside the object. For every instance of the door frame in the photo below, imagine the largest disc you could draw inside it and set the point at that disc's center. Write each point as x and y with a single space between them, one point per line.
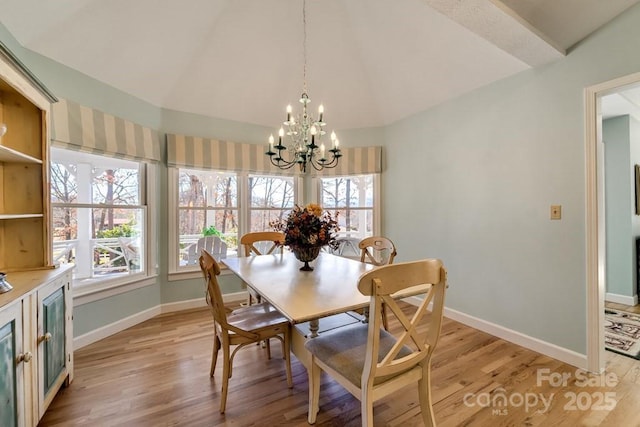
595 217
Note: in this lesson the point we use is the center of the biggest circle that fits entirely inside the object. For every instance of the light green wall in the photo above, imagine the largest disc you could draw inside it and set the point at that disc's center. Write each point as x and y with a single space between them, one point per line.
469 181
482 171
619 201
89 317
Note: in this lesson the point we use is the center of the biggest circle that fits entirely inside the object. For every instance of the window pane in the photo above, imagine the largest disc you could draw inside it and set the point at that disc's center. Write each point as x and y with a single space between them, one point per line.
355 223
116 186
261 219
88 178
352 198
271 192
361 191
105 240
207 188
105 248
195 224
271 199
352 191
64 188
219 222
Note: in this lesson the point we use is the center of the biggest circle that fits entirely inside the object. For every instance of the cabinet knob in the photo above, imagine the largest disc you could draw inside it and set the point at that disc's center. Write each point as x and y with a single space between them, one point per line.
25 357
45 337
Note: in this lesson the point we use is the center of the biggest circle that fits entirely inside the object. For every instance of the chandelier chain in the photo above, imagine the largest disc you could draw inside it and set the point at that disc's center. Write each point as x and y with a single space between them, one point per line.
304 45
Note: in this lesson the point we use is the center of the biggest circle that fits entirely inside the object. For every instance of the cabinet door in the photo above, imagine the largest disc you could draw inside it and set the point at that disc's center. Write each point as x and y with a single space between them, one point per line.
53 354
11 369
53 312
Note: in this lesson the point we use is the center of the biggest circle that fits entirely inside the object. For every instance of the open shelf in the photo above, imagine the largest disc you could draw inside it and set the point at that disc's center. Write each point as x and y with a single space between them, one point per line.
20 216
11 155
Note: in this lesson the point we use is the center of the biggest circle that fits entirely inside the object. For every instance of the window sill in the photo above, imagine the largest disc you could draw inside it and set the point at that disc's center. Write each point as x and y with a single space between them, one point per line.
175 276
86 291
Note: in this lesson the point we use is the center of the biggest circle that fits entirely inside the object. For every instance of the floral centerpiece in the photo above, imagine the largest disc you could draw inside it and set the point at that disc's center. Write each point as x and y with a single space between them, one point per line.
307 229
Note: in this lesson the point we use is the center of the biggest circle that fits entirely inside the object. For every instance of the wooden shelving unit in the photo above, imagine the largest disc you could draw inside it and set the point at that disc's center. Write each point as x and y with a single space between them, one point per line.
13 156
36 323
24 162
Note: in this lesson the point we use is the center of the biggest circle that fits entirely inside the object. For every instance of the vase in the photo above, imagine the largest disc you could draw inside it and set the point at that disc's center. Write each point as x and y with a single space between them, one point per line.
4 285
306 254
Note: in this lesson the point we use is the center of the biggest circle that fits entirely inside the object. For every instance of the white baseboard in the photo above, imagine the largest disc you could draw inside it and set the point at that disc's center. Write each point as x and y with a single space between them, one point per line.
200 302
568 356
120 325
127 322
564 355
621 299
548 349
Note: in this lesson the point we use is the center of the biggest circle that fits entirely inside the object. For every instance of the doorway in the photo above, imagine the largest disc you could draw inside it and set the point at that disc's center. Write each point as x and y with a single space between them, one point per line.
595 220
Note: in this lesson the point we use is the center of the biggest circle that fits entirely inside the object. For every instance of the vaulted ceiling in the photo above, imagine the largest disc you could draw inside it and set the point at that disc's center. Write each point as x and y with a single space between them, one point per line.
370 62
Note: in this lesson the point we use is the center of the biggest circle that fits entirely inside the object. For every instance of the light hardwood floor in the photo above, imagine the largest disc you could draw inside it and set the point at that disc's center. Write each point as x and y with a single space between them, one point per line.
157 374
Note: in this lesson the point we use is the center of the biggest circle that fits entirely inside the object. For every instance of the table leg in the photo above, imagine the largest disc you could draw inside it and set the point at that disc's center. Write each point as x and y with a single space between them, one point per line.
314 326
297 347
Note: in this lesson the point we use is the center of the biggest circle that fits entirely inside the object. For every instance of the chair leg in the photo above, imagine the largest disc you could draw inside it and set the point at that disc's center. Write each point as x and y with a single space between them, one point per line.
214 355
366 408
226 374
267 345
286 351
314 391
424 392
385 324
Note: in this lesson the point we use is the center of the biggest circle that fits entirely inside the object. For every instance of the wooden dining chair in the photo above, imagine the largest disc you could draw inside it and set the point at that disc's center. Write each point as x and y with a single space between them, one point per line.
378 250
261 243
246 325
370 362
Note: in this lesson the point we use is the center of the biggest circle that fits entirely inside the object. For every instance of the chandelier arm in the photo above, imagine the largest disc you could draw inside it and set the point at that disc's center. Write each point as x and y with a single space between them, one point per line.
332 163
316 164
281 163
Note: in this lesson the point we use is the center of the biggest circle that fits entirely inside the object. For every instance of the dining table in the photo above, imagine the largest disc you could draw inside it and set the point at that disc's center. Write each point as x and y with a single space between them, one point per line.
307 298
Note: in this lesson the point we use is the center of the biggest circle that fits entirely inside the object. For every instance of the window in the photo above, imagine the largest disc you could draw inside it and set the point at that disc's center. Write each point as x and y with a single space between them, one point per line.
354 200
271 199
99 216
207 206
215 208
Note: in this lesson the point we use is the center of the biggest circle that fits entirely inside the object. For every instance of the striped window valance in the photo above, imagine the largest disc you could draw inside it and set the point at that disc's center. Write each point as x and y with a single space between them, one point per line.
203 153
355 161
80 128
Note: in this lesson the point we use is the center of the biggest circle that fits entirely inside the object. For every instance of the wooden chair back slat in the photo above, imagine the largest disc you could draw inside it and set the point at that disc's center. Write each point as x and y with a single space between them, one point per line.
380 284
377 250
249 240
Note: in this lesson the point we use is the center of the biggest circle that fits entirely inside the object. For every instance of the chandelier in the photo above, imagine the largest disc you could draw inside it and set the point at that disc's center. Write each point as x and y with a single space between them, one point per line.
302 133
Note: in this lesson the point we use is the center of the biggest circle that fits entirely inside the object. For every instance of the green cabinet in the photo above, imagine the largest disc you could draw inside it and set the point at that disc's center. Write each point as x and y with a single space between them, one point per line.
54 338
54 342
36 342
14 367
8 385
